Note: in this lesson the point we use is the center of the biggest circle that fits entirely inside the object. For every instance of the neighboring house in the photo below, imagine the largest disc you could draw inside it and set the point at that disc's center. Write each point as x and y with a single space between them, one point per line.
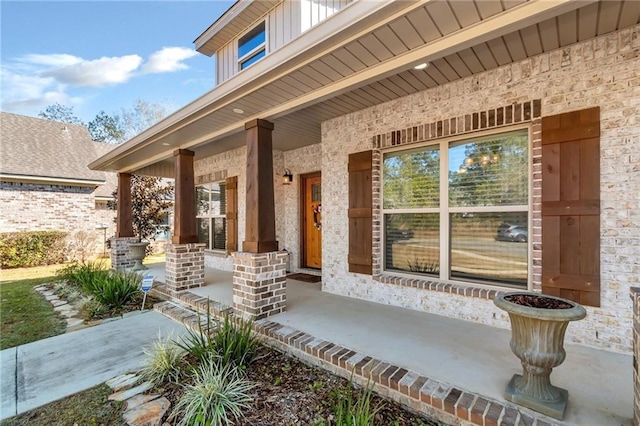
45 183
439 152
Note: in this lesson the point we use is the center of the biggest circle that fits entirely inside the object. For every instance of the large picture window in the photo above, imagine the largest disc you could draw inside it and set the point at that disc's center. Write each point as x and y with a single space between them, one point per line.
211 207
459 209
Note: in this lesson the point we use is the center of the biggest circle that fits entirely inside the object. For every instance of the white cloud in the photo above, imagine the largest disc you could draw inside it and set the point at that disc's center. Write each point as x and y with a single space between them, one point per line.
98 72
168 59
37 80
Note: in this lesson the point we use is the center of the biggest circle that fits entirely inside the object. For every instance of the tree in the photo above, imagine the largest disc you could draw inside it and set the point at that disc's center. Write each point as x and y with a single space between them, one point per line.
142 116
151 197
62 113
106 128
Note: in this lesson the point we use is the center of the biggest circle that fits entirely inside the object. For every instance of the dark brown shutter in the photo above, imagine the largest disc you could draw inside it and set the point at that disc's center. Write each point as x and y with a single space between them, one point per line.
360 213
571 206
232 214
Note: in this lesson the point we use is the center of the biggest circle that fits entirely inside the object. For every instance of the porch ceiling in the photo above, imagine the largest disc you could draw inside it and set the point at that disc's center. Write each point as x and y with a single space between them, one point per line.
371 61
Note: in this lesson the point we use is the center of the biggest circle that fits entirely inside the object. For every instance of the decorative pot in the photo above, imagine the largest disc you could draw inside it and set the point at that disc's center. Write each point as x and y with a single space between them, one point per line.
138 252
537 338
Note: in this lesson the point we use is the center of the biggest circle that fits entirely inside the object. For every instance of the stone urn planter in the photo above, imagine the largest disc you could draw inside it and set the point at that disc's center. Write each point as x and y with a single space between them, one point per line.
138 252
538 325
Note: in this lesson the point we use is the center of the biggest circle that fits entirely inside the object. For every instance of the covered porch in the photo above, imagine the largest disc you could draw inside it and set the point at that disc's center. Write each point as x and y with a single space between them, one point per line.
467 365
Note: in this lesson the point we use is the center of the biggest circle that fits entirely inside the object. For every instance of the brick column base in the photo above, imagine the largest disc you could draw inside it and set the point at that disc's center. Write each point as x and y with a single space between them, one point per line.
121 253
184 266
635 296
259 284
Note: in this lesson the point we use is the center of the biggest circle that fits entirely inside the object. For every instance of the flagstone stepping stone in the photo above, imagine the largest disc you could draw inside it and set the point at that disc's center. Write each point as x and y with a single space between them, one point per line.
69 313
138 400
74 322
51 297
122 381
58 302
148 414
126 394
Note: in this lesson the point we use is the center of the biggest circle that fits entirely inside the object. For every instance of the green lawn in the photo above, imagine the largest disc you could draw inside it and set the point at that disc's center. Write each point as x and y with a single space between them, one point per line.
25 316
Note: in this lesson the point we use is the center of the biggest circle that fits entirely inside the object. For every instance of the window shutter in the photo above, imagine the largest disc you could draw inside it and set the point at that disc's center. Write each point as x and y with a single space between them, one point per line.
360 213
571 206
232 214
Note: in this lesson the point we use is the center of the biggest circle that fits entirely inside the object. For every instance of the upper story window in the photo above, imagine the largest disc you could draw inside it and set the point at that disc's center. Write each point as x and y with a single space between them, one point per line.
459 210
252 46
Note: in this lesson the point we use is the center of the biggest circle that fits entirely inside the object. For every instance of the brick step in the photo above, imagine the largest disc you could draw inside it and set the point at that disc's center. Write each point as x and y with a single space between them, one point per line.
196 303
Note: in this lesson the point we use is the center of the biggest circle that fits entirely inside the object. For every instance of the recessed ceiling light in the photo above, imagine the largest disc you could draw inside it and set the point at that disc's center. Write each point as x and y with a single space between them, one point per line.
421 66
166 144
238 111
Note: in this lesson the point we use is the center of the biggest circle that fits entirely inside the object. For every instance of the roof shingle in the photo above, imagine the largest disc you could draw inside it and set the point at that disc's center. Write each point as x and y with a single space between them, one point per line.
36 147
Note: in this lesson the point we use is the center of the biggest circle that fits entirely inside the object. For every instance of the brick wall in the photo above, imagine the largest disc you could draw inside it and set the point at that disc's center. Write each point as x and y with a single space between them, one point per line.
259 284
601 72
37 207
635 297
184 266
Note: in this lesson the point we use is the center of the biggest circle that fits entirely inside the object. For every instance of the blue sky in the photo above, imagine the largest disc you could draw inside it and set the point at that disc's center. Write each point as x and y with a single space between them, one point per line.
103 55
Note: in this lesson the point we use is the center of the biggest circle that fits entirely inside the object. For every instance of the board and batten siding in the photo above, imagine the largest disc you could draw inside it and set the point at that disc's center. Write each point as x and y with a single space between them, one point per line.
284 22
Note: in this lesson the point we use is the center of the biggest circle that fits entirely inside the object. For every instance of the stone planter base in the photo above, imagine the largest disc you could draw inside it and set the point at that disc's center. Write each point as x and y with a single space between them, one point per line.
553 408
138 253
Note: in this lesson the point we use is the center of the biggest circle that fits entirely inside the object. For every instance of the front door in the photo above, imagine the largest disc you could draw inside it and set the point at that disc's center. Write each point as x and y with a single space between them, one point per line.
312 221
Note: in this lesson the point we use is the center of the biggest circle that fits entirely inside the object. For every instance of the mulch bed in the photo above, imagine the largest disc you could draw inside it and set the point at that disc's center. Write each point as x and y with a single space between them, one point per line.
289 392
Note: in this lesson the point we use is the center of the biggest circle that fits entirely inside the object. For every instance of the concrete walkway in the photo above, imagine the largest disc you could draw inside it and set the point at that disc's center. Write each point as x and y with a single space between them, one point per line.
37 373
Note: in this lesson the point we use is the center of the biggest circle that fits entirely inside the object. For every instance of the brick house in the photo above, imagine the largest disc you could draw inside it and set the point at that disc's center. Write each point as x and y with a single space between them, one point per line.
45 183
420 154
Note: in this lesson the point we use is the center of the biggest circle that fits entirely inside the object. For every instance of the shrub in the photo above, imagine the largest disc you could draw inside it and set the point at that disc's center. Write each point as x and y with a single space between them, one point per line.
92 309
199 344
235 342
80 246
32 248
217 396
351 411
232 341
115 289
164 362
84 274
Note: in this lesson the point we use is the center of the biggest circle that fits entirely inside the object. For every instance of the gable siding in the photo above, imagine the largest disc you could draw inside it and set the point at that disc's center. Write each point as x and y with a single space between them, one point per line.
284 22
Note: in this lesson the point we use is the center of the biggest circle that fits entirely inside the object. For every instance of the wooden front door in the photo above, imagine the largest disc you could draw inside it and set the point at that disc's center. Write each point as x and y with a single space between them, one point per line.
311 221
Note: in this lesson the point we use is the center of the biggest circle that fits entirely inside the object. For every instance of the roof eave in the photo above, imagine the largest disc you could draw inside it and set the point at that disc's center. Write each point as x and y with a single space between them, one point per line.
51 180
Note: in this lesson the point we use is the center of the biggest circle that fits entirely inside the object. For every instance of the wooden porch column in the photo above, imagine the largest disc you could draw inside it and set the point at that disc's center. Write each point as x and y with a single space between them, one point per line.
184 218
260 232
124 222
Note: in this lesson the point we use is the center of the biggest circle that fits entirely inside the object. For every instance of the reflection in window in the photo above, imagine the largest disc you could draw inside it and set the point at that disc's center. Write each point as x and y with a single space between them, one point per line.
252 46
412 243
480 251
481 211
211 208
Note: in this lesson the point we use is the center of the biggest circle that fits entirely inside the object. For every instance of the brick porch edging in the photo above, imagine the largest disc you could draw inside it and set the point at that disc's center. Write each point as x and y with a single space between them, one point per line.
420 393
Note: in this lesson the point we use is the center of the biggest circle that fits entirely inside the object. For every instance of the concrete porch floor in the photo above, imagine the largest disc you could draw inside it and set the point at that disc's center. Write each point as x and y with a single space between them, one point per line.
473 357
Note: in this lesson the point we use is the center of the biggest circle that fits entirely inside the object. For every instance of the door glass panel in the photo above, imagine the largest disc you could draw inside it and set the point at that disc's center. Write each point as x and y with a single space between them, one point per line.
316 192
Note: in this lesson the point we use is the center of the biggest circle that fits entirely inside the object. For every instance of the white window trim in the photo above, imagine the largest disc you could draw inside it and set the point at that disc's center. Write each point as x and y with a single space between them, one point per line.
444 210
263 46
